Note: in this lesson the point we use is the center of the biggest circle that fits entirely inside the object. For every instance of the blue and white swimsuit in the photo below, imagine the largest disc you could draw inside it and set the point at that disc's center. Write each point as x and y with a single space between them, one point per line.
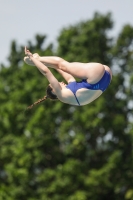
100 85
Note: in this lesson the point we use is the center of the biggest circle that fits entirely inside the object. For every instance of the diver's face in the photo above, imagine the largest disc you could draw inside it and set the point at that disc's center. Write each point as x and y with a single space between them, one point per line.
62 84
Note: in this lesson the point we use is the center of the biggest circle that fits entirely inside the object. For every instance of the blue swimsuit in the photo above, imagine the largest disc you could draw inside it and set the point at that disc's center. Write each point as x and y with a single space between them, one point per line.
101 85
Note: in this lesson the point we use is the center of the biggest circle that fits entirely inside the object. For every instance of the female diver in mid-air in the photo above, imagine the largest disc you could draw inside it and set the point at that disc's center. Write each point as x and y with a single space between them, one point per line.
95 78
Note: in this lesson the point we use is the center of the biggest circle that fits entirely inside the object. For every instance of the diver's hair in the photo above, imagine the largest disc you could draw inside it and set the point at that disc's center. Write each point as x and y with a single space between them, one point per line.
49 95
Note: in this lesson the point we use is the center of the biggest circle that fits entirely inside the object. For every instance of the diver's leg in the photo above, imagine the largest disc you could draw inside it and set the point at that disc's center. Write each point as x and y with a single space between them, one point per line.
93 72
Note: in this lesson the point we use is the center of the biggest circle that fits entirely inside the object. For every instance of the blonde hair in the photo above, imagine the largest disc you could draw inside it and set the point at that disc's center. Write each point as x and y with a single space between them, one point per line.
49 95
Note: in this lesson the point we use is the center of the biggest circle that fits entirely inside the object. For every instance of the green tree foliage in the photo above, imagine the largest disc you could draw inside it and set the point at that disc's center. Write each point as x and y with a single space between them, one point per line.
87 41
60 152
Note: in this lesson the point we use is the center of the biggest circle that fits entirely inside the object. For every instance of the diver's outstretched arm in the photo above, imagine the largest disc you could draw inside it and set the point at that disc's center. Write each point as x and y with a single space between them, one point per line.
46 72
66 76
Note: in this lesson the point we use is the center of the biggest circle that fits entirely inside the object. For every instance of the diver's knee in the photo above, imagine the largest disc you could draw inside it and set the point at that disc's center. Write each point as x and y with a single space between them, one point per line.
62 65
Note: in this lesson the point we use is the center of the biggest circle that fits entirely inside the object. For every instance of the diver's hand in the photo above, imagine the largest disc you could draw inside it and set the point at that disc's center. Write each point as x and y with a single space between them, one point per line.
27 52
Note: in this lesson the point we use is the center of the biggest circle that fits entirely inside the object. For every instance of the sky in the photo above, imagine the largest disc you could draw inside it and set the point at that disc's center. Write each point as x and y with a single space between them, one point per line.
21 20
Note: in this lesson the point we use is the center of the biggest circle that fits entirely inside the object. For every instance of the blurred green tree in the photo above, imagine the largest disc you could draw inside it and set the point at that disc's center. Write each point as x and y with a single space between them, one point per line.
56 151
